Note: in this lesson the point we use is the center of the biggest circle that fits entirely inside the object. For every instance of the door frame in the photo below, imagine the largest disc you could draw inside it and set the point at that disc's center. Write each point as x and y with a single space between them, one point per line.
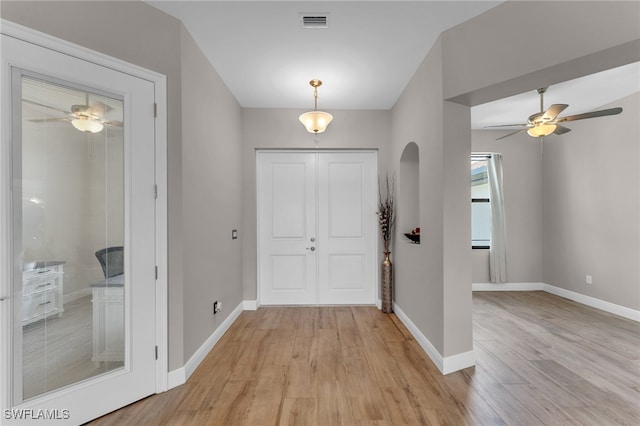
29 35
257 217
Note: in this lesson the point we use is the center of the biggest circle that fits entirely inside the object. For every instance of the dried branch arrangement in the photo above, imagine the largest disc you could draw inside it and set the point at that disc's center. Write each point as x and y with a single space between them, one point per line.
386 212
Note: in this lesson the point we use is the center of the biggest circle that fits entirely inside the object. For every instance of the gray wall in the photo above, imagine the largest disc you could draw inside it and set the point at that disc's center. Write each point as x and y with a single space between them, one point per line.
479 61
280 129
418 269
572 208
522 172
591 213
522 45
207 193
432 288
211 196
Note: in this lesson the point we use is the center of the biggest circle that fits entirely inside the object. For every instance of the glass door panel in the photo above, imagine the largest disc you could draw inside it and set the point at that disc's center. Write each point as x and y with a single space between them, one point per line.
69 236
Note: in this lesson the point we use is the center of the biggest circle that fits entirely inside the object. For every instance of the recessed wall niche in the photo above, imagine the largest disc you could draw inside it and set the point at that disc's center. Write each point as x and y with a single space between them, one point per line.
409 193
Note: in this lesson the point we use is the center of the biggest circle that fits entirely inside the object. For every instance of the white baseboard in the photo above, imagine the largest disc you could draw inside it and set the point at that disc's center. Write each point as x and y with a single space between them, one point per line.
593 302
458 362
75 295
176 378
379 304
206 347
507 286
446 365
250 305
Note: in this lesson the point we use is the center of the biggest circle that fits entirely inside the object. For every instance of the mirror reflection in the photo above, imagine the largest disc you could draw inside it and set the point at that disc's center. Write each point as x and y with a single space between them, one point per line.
69 231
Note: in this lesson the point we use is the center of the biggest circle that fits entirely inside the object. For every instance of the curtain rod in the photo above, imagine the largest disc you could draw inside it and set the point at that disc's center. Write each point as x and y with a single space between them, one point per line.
481 154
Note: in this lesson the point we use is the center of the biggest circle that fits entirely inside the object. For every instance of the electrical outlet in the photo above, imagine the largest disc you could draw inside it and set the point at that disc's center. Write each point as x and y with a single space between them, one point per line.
589 279
216 307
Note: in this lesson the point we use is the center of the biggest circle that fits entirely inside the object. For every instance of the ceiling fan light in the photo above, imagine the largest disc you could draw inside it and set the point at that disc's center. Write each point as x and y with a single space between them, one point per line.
315 121
542 130
86 124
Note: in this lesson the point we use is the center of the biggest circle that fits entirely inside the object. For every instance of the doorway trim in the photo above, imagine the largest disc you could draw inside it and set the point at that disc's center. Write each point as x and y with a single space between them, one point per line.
159 81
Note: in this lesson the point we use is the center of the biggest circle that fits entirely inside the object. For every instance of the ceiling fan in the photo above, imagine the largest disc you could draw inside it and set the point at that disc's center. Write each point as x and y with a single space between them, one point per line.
544 123
86 118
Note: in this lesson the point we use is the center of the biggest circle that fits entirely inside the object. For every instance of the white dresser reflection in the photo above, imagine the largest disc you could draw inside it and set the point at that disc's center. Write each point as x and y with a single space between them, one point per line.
42 288
108 320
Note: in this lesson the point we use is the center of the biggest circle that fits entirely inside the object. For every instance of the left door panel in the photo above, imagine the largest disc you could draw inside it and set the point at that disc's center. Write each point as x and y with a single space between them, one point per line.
287 235
78 176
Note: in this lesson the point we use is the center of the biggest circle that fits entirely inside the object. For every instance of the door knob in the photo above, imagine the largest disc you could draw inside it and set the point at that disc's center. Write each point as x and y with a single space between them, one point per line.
311 248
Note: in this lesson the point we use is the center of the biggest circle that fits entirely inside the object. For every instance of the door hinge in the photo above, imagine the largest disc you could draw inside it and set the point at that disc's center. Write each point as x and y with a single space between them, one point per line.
155 191
155 110
156 352
156 272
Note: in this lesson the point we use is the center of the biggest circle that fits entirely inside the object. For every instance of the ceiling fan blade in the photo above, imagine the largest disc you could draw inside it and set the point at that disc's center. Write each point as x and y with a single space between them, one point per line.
561 130
114 123
510 134
594 114
505 125
47 120
46 106
553 111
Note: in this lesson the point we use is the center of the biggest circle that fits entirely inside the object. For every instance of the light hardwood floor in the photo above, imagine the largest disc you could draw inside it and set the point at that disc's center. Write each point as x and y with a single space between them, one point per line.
540 359
57 351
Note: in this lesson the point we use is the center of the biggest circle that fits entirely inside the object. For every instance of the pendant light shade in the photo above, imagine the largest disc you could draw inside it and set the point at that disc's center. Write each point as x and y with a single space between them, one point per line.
315 121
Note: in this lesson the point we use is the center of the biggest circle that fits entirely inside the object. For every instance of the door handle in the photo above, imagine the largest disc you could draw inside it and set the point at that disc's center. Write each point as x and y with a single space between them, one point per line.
311 248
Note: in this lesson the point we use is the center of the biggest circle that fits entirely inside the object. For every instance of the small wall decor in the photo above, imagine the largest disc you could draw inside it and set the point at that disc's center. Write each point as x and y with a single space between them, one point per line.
414 235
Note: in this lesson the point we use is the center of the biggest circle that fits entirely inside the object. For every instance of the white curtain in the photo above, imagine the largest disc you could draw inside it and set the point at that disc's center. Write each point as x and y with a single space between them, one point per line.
498 250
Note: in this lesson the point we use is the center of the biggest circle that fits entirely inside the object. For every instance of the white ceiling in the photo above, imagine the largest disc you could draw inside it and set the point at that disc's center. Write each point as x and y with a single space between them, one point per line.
583 94
365 57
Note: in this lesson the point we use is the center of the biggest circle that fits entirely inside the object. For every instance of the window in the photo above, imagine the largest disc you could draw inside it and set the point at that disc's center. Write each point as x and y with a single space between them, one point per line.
480 202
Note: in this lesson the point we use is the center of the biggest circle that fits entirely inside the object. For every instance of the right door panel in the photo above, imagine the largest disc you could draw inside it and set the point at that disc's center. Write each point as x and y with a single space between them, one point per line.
347 227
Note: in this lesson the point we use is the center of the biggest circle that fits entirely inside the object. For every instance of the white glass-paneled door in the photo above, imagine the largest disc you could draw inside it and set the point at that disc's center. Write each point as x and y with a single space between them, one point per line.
79 237
317 227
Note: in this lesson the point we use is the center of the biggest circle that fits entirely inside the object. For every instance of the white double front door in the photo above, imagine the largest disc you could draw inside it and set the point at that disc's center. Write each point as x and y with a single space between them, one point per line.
317 227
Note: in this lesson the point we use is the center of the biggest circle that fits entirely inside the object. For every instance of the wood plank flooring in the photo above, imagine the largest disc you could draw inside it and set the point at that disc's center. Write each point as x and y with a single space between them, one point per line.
540 360
57 351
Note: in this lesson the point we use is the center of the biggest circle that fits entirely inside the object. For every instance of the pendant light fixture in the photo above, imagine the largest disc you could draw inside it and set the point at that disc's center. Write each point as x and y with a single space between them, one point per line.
315 121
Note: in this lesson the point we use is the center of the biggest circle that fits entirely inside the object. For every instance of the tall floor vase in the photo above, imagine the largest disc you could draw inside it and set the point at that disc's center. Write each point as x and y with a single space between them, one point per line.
387 284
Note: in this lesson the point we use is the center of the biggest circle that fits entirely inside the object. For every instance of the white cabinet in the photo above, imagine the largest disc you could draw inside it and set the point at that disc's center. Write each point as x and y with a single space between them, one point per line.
108 320
42 287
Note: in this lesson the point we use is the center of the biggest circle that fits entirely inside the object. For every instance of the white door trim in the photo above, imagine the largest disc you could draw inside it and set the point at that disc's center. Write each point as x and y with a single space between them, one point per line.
44 40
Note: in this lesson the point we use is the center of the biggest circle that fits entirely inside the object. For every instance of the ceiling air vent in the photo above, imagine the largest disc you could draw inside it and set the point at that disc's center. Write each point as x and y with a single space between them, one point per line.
314 20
